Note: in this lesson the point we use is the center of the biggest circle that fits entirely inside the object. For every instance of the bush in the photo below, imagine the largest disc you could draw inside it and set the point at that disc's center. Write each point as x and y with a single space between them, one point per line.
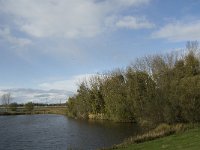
13 106
29 106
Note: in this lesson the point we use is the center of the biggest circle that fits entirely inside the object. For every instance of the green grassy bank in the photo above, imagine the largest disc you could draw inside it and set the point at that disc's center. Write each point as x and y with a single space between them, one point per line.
50 110
187 140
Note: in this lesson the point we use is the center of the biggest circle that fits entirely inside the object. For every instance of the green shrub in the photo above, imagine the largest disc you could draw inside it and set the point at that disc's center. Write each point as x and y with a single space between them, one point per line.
13 106
29 106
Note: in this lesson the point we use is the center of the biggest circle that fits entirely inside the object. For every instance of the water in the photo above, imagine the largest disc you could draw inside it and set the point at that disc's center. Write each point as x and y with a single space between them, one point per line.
57 132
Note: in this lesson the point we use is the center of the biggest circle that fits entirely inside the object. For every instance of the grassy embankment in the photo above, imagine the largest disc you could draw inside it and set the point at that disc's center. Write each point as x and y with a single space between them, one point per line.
50 110
38 110
178 140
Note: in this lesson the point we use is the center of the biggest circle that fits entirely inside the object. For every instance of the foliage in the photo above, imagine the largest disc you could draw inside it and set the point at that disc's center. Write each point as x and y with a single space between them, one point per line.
29 106
13 106
155 89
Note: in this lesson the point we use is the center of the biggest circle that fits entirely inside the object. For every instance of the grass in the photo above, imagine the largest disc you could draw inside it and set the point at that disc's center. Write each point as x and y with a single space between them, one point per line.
50 110
188 140
160 131
38 110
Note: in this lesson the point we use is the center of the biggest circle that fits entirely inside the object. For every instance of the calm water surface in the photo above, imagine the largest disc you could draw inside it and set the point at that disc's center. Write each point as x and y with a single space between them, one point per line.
57 132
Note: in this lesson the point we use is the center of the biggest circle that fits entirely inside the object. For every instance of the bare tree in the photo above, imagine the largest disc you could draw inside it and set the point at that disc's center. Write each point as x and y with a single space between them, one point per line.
192 46
6 99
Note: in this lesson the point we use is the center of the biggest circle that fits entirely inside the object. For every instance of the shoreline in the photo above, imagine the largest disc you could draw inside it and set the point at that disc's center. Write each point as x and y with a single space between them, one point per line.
17 113
188 139
160 132
12 113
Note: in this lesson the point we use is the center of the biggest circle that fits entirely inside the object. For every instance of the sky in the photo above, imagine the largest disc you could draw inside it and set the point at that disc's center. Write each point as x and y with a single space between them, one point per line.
47 47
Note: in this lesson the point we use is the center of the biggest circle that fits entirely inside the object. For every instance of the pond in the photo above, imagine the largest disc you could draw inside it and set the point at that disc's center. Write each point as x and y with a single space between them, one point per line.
57 132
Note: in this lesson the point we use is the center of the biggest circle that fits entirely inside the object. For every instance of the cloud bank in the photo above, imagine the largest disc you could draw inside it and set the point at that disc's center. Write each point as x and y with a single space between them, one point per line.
47 92
5 34
66 18
179 31
70 84
131 22
37 96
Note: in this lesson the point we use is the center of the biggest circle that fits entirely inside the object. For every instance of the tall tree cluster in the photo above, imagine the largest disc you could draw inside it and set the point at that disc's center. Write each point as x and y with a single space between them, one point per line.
157 89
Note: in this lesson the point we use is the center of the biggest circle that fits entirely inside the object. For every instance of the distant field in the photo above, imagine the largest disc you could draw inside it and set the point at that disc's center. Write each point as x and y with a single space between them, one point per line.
50 110
38 110
189 140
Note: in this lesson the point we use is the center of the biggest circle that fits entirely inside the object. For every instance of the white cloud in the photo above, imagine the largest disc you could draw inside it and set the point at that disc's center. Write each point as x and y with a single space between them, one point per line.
70 84
47 92
37 96
6 35
179 31
120 4
131 22
64 18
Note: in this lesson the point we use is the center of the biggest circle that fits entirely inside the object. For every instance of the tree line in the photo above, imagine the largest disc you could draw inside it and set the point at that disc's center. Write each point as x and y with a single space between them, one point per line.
8 105
156 89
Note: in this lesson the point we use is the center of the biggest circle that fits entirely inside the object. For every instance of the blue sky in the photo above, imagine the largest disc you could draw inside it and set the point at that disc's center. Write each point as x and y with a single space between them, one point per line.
52 44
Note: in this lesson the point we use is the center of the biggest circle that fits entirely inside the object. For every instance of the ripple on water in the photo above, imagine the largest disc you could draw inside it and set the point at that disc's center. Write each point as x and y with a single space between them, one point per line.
52 132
